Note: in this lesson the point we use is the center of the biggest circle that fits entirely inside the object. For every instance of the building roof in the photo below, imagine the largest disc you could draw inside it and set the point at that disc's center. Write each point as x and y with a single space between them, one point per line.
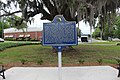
29 29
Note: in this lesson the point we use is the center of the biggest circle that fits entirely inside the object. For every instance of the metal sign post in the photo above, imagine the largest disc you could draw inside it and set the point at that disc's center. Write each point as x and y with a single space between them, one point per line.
60 62
59 33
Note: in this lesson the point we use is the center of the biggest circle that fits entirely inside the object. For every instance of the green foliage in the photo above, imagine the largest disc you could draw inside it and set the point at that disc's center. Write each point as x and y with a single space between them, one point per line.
118 43
40 61
0 33
100 61
118 60
81 61
16 22
13 21
78 32
9 39
3 46
23 61
117 27
96 33
108 31
1 63
3 25
27 39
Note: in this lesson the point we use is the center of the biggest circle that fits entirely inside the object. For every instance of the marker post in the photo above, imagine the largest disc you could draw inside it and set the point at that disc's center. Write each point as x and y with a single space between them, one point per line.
60 62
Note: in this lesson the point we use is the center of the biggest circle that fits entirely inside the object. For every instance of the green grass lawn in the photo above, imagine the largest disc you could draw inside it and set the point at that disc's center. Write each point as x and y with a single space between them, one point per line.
107 42
86 52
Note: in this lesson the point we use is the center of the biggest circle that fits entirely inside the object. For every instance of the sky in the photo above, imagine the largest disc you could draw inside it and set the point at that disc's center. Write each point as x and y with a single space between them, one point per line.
85 28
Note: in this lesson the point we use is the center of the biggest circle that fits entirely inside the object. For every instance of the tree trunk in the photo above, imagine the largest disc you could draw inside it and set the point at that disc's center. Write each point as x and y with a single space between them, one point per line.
90 34
101 34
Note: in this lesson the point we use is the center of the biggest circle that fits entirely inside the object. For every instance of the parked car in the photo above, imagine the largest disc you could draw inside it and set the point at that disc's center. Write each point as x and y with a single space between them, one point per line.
115 39
1 40
84 38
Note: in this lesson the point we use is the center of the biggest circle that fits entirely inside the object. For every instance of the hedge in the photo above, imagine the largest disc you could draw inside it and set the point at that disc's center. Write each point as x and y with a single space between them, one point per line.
4 46
118 43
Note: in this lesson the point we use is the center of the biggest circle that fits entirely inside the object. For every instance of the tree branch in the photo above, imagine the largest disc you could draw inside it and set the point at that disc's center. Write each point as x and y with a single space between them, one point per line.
52 9
8 14
46 16
40 9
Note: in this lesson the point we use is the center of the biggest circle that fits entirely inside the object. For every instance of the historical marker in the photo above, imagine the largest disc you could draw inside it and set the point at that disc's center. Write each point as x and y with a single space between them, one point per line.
59 33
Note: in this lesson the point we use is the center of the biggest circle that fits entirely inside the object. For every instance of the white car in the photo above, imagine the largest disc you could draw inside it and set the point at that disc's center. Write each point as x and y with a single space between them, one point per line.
115 39
1 40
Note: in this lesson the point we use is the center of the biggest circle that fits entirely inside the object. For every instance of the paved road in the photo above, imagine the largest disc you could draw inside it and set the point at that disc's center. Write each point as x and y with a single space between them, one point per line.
89 41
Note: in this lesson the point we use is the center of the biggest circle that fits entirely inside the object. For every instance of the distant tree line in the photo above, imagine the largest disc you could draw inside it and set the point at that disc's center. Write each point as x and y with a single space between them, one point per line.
113 31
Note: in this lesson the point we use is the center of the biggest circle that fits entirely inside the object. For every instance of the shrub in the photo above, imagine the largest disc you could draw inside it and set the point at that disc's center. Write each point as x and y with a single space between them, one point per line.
81 61
118 44
1 63
9 45
40 61
10 39
23 61
27 39
118 60
99 61
1 49
32 39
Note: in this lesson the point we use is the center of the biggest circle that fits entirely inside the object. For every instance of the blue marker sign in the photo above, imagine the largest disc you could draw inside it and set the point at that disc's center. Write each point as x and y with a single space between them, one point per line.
59 32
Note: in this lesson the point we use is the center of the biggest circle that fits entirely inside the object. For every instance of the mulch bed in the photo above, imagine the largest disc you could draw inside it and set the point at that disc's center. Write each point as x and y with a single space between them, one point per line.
31 64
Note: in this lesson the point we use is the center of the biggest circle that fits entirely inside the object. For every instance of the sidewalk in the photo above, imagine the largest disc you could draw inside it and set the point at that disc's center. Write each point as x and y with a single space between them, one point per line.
68 73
